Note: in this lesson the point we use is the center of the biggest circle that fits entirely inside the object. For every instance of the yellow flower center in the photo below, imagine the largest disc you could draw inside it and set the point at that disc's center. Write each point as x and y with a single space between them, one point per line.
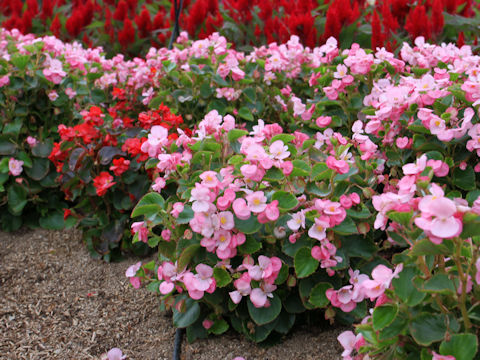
223 220
256 202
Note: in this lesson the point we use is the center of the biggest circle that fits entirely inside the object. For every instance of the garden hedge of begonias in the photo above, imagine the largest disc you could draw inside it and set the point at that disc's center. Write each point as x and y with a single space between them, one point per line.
276 185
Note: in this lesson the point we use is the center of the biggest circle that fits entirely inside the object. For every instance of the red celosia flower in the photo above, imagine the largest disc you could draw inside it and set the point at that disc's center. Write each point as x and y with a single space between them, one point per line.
144 23
437 16
121 11
56 26
127 35
103 182
119 166
377 36
417 23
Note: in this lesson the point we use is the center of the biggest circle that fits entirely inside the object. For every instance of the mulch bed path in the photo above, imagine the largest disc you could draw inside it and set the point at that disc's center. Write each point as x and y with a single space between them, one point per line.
58 303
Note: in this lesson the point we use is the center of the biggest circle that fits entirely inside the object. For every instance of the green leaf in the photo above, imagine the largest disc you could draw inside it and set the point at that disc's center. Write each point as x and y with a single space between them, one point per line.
286 138
402 218
428 328
318 295
439 283
20 61
17 198
394 329
149 205
384 316
222 277
461 346
264 315
53 221
364 213
236 134
245 113
219 327
250 226
300 168
40 168
321 171
471 226
186 215
286 200
305 264
187 318
426 247
357 246
405 289
7 147
186 256
347 227
250 246
464 179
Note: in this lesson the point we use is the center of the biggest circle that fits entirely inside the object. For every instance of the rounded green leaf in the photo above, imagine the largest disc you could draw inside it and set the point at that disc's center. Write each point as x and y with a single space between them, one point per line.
428 328
461 346
286 200
265 315
149 205
53 221
39 169
17 198
222 277
318 295
384 316
187 318
305 264
249 226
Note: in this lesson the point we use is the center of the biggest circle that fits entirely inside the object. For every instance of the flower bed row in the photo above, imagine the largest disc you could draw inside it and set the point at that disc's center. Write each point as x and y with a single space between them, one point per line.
133 26
287 182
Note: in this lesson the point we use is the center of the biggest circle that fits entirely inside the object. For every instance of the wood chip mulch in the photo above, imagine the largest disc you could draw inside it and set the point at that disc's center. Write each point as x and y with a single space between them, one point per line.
58 303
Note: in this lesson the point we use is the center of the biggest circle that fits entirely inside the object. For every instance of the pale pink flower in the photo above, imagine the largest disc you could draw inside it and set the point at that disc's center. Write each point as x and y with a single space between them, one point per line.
32 141
177 209
115 354
70 93
257 201
318 230
209 179
241 209
53 95
4 80
159 184
297 221
225 220
442 357
279 150
15 166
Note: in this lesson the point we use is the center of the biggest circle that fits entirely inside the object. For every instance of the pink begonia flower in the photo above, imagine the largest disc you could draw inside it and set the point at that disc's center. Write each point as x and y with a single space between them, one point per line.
243 287
259 296
70 93
297 221
417 168
224 202
287 167
115 354
318 230
477 276
166 234
445 225
442 357
142 230
382 277
279 150
54 72
159 184
225 220
350 342
402 142
53 95
252 172
256 201
200 196
271 213
4 80
207 323
241 209
15 166
340 166
238 358
177 209
209 179
32 141
131 272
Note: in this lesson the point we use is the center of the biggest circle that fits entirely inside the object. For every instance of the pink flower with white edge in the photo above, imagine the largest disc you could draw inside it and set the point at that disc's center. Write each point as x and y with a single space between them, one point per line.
340 166
159 184
257 201
115 354
442 357
297 221
224 202
279 150
444 225
318 230
15 166
70 93
417 168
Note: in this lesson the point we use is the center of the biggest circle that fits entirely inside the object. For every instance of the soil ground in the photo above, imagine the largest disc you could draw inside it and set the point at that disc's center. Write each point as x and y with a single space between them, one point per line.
58 303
